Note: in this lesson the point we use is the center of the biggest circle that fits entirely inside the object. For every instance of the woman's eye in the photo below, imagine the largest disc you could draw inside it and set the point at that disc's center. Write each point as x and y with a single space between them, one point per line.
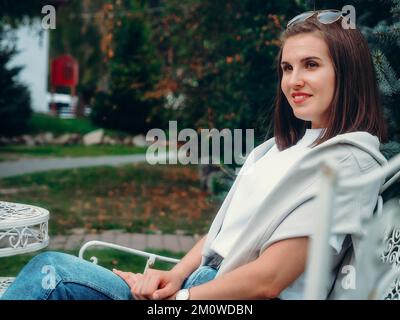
311 64
286 67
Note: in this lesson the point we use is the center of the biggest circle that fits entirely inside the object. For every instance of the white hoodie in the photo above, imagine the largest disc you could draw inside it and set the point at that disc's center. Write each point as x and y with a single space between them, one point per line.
292 198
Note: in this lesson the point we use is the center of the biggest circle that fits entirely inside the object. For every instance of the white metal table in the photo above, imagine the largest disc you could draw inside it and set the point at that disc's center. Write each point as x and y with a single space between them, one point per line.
23 229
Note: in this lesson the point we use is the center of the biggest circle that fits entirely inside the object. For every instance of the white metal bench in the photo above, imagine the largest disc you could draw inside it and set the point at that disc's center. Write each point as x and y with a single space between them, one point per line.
151 257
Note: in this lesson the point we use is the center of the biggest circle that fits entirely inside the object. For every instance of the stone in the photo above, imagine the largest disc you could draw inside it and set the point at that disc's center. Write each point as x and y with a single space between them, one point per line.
78 231
5 141
75 138
154 241
74 241
94 137
186 242
48 137
139 241
152 138
140 141
123 239
63 139
44 138
171 242
16 140
127 141
28 140
109 141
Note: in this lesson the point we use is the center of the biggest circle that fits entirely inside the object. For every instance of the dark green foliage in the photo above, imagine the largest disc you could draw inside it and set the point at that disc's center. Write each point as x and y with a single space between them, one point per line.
133 72
224 60
384 39
14 13
15 109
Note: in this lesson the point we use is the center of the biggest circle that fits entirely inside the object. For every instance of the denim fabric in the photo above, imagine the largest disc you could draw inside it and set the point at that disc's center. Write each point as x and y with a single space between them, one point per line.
77 279
202 275
73 279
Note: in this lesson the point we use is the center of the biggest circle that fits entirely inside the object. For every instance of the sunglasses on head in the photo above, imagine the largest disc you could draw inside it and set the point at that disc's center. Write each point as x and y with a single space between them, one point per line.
323 16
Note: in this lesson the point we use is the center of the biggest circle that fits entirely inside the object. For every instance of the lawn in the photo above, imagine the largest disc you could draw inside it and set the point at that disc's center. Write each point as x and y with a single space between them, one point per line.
10 266
17 151
40 122
135 198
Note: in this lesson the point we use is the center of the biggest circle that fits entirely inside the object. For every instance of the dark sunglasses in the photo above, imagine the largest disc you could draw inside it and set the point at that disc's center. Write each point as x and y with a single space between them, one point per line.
323 16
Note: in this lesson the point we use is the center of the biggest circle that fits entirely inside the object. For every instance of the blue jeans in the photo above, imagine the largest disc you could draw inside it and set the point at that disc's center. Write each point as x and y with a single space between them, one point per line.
60 276
202 275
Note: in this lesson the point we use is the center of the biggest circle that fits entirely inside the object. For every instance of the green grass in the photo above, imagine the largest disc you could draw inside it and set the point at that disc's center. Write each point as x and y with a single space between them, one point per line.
45 123
15 152
108 258
41 122
134 198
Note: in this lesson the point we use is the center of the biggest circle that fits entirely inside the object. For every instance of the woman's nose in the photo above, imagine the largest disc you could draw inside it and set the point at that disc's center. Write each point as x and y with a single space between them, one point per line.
296 80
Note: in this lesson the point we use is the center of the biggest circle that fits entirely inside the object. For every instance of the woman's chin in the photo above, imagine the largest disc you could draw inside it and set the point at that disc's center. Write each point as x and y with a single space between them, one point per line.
302 116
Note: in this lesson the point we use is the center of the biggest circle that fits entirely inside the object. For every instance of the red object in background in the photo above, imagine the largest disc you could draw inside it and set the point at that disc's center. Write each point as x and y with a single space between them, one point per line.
64 71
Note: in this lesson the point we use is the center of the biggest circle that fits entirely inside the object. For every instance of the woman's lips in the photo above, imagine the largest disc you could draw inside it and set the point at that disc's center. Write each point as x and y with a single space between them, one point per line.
300 99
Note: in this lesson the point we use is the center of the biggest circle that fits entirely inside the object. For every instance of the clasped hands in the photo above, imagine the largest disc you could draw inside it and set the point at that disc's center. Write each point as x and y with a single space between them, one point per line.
153 284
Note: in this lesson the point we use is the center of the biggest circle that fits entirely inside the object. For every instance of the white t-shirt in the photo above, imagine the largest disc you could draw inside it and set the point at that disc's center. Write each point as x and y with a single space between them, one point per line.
253 187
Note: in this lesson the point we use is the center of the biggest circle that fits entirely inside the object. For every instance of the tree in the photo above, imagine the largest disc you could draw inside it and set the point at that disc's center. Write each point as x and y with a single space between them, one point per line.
133 70
15 109
220 55
384 38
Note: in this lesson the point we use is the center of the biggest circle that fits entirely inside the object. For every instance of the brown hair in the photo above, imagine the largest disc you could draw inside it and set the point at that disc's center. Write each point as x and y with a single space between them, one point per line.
355 105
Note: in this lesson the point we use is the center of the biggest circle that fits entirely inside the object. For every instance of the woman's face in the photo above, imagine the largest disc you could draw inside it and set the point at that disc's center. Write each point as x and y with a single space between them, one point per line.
308 80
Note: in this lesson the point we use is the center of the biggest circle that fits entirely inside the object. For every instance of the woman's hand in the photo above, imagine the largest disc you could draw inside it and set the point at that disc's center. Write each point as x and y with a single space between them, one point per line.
153 284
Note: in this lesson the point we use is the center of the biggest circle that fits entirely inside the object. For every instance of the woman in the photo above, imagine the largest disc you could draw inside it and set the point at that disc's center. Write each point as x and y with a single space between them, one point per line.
327 107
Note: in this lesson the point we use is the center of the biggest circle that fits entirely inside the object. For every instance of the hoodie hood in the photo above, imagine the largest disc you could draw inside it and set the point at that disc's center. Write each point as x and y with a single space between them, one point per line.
362 140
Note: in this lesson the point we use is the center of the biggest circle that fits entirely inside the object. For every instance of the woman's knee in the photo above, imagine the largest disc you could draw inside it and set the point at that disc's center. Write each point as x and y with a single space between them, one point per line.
48 261
50 258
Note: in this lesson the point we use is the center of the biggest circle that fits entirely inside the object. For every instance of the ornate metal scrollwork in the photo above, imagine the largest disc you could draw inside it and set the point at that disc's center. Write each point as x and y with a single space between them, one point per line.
16 211
23 228
21 237
393 292
391 255
5 282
